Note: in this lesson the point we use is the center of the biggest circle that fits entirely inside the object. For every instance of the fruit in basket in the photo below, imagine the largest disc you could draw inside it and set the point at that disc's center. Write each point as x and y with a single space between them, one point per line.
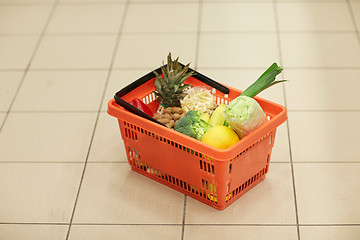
217 117
205 116
244 114
170 116
220 137
169 87
192 125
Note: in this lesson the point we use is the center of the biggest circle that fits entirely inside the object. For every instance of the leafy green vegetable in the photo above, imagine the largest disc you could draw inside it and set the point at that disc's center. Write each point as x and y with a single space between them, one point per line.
192 125
266 80
244 114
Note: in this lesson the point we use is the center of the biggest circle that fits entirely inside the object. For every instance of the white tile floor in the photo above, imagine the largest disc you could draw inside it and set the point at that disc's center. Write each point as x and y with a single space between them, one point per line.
63 168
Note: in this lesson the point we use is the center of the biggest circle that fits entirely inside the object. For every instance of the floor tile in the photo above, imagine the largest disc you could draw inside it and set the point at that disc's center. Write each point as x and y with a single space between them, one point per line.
107 145
239 232
150 50
125 197
2 117
355 7
236 1
281 151
75 52
307 1
237 17
311 0
86 18
129 232
91 1
271 201
327 193
238 50
46 137
164 1
320 50
9 82
318 88
159 17
120 79
26 2
61 91
324 136
23 19
33 232
16 51
40 192
314 16
330 232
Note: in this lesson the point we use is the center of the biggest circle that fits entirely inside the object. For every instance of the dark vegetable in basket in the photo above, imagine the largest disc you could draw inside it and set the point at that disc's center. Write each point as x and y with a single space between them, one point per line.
169 88
136 102
244 114
192 125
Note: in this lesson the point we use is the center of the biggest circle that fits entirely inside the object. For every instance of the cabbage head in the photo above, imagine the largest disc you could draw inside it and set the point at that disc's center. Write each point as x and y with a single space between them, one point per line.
244 115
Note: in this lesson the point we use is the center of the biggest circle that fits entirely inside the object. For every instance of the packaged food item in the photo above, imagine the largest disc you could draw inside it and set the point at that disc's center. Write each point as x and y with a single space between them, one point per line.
199 98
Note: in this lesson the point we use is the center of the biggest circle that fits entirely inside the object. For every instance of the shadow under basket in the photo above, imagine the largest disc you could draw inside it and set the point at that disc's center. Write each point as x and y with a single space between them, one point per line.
213 176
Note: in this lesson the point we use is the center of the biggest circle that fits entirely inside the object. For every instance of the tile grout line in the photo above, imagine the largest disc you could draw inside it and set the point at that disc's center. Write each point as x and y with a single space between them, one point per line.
189 224
287 122
183 220
353 20
146 68
196 63
27 68
198 36
182 32
98 113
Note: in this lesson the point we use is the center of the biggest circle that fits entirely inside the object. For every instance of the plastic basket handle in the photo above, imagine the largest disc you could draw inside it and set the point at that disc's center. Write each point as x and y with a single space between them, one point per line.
135 110
118 96
210 82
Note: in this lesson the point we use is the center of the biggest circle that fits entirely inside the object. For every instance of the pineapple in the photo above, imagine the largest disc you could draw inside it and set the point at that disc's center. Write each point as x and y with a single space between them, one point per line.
169 88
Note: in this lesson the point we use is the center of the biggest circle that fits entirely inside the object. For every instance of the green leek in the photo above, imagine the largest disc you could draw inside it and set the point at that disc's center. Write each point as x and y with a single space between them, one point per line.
244 114
266 80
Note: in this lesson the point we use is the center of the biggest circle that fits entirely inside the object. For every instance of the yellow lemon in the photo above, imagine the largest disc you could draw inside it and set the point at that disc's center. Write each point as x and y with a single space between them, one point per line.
220 137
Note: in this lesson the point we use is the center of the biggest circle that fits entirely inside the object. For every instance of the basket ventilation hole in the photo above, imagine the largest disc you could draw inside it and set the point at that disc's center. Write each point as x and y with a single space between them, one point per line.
207 167
245 185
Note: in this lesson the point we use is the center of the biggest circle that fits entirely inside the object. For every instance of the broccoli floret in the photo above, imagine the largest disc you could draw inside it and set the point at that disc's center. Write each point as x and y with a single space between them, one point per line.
192 125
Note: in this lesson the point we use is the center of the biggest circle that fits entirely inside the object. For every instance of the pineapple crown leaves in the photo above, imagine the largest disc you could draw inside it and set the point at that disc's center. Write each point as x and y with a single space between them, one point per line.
169 87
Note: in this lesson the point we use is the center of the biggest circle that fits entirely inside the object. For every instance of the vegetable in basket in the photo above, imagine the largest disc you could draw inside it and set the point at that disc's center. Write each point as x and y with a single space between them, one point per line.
169 88
192 125
136 102
244 113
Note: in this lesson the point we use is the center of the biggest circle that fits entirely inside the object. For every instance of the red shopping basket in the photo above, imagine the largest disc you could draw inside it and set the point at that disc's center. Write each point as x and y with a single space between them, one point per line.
213 176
